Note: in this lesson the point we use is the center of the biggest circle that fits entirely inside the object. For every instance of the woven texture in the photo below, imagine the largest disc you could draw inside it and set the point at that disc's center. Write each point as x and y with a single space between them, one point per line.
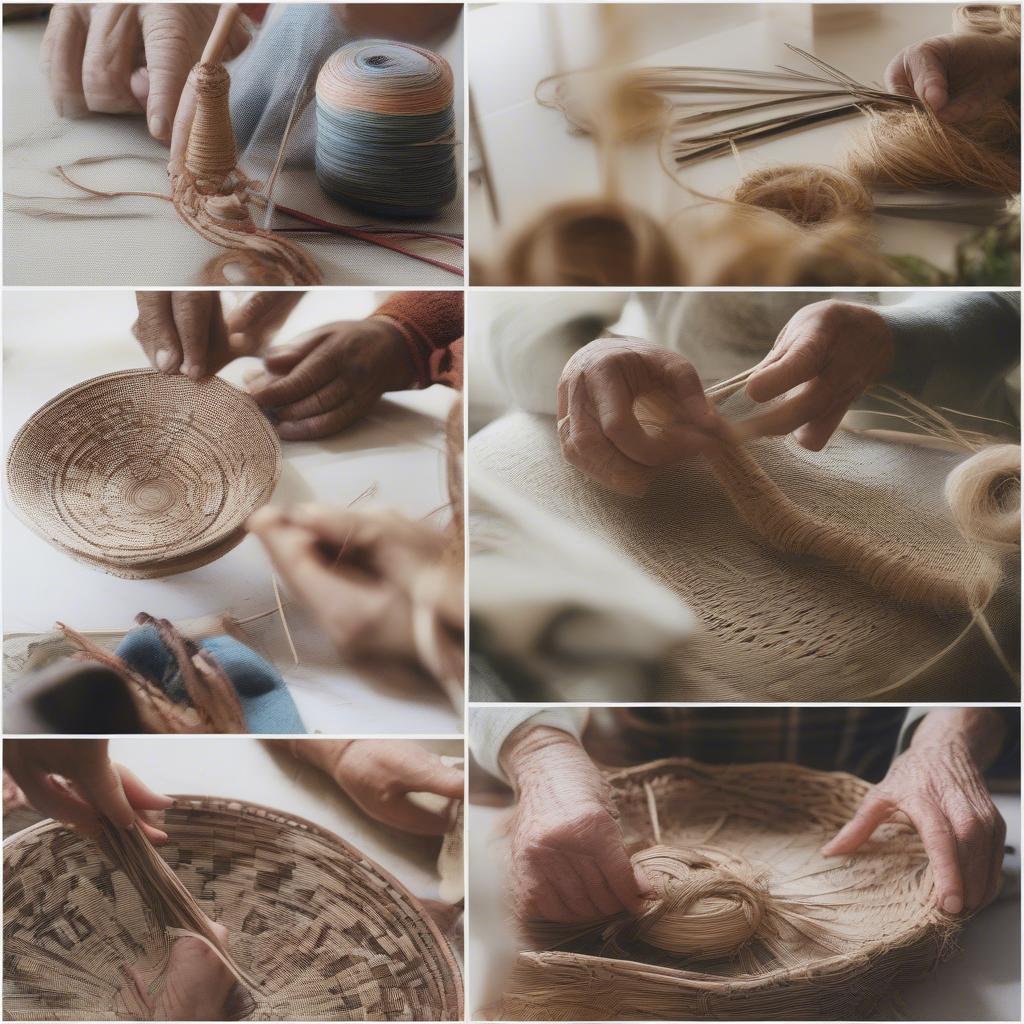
328 933
778 626
144 474
734 851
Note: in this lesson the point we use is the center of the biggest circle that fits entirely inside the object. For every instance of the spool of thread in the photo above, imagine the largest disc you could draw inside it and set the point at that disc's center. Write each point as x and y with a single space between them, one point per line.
984 495
385 129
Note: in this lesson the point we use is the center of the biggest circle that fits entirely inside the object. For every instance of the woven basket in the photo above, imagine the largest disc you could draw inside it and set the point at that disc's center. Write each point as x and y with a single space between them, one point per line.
143 474
835 935
330 935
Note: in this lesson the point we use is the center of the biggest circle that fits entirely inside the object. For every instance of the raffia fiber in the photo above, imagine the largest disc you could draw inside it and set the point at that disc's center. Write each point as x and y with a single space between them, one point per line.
733 855
143 474
319 931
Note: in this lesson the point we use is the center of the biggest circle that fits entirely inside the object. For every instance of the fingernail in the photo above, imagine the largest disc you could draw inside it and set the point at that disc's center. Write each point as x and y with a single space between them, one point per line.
933 97
159 127
165 360
71 107
952 904
166 801
191 370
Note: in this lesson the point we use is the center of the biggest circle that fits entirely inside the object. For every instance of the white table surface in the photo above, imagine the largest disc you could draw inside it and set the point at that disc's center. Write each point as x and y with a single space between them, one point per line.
982 982
53 340
535 161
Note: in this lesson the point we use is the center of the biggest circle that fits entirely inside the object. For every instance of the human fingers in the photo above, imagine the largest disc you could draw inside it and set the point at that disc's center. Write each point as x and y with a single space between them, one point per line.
538 900
62 52
562 870
585 446
200 327
99 783
427 773
966 107
815 435
170 50
940 845
807 403
282 359
927 72
598 889
111 52
139 795
975 830
49 796
309 374
620 875
798 359
252 324
403 813
896 78
325 424
295 555
996 866
336 393
155 331
873 811
181 129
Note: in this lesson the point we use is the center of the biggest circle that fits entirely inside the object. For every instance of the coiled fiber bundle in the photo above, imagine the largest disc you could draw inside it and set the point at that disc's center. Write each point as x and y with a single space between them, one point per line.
990 19
317 931
805 194
749 920
385 132
144 474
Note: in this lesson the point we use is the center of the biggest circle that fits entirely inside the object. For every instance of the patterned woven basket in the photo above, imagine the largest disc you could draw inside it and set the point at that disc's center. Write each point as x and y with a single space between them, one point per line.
143 474
752 922
329 934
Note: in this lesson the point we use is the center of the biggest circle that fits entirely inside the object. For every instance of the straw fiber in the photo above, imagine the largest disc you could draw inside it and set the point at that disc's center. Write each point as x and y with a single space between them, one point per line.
749 921
144 474
321 932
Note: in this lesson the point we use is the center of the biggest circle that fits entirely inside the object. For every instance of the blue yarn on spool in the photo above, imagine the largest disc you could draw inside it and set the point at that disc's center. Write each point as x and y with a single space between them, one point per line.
385 129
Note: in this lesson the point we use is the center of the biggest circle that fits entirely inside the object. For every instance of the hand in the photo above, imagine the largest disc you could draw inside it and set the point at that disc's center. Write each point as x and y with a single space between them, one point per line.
378 775
128 59
959 76
358 573
186 332
829 352
326 379
75 781
600 428
937 784
568 861
196 982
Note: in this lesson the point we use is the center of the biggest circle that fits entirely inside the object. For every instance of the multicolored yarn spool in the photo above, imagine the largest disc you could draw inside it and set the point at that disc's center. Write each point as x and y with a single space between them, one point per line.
385 129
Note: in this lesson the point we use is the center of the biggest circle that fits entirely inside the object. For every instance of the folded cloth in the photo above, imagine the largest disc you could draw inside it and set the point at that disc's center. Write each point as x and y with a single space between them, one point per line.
266 702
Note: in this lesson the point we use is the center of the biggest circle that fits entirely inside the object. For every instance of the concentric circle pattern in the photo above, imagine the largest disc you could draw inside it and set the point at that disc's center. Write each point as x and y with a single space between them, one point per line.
328 933
142 473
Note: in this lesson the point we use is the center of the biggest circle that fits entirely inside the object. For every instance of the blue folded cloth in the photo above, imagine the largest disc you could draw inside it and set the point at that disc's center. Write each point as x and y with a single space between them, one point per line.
266 703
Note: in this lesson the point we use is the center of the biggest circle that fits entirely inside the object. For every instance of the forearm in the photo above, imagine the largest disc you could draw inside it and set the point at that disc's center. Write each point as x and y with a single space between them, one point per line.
978 731
490 730
322 754
538 757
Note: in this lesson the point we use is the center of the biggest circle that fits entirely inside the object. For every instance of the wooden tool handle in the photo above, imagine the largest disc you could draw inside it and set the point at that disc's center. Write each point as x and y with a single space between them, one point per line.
226 18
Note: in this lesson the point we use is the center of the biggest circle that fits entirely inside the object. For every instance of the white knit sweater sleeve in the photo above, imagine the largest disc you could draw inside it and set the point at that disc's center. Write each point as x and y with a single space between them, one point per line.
490 727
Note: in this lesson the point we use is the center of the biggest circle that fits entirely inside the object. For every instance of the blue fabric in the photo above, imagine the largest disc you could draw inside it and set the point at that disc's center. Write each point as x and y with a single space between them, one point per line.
266 703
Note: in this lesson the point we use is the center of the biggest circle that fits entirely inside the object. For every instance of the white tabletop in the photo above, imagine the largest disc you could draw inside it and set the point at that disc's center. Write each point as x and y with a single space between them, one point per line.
982 982
535 160
53 340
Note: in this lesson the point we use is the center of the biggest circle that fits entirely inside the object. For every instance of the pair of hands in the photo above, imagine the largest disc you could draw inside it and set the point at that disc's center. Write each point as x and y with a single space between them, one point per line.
823 359
568 861
960 76
316 385
136 58
75 781
358 570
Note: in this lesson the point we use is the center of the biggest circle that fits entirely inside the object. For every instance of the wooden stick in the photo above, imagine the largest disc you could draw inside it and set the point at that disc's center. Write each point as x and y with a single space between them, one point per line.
222 27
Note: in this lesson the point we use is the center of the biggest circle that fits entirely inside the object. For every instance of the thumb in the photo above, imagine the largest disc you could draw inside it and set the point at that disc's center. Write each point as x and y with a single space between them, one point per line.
168 65
927 73
139 795
859 829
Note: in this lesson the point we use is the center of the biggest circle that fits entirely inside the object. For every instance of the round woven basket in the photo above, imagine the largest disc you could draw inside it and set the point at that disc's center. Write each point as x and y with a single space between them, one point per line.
811 937
144 474
330 934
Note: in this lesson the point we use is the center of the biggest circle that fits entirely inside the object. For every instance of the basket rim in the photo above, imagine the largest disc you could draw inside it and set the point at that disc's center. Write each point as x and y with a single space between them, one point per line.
214 538
200 802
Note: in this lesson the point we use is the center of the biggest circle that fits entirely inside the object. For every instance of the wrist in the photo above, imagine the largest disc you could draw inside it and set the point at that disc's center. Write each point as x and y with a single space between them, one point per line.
400 367
978 732
535 754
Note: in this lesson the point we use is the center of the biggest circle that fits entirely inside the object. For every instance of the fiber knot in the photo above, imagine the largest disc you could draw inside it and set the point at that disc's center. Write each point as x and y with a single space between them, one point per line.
702 908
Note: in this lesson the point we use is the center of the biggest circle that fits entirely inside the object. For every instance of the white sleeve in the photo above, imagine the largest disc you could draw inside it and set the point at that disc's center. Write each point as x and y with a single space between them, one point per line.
490 727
